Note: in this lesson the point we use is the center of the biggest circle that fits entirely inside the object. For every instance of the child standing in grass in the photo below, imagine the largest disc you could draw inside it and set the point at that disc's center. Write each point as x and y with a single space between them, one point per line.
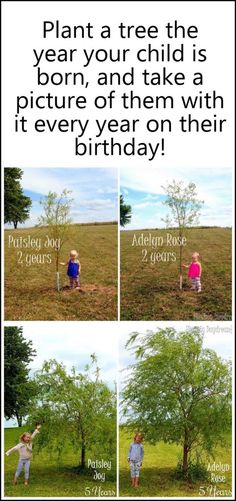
135 458
195 272
24 448
73 269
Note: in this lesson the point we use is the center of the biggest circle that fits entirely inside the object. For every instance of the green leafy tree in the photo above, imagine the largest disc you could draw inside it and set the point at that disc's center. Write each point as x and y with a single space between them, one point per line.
185 208
77 409
16 204
19 389
125 212
56 217
178 391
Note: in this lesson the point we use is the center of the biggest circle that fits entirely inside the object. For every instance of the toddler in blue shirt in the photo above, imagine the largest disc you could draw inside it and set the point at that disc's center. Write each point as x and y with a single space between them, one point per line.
73 269
135 458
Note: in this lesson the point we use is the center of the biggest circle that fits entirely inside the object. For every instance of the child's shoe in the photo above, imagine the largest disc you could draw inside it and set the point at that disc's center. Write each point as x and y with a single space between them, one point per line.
26 482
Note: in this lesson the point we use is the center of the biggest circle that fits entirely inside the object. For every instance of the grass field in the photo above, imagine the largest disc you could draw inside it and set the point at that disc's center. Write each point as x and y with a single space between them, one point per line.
50 478
30 292
157 473
151 291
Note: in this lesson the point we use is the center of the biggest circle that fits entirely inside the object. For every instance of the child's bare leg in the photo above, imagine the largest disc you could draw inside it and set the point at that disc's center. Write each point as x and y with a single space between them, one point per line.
15 480
133 482
136 481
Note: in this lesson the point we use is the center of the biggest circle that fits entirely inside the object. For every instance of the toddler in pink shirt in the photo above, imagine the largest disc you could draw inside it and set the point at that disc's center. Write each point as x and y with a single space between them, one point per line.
194 272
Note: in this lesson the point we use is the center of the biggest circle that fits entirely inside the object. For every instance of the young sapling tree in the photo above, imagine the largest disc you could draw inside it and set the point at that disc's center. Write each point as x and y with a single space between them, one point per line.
184 206
56 218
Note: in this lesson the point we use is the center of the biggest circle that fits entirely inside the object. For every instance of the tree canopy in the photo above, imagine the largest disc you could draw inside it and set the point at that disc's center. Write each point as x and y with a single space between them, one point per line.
19 389
178 391
183 203
125 212
77 408
16 204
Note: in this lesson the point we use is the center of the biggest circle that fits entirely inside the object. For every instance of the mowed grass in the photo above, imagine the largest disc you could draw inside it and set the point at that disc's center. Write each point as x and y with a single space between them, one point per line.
151 291
50 478
30 290
157 472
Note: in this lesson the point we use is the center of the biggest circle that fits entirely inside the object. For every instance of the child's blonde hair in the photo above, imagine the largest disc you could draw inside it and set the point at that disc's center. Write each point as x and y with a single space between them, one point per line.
138 434
22 437
74 252
196 254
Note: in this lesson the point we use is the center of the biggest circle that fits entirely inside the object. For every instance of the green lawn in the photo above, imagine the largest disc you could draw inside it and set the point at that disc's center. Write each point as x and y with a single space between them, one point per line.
30 292
157 473
50 478
151 291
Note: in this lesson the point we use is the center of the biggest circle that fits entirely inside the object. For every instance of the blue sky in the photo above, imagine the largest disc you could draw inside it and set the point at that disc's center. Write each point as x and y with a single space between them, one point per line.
142 189
94 192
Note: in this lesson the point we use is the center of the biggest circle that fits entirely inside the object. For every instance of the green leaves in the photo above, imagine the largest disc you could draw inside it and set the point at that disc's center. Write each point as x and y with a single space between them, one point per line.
177 390
55 217
19 389
183 203
77 407
125 212
16 204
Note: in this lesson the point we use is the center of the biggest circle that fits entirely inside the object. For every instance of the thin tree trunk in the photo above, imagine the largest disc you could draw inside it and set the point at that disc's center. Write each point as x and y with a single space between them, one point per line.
83 456
180 267
185 461
58 281
15 224
57 272
57 260
185 454
83 451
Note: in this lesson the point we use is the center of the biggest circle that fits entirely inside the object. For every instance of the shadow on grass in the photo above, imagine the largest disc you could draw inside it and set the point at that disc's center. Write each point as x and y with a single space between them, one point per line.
156 483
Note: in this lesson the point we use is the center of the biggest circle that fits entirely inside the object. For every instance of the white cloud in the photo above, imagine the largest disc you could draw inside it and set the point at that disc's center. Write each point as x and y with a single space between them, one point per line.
107 190
144 205
151 180
98 203
41 181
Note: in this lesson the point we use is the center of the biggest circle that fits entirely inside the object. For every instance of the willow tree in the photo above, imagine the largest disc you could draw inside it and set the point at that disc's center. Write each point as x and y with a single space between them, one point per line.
56 218
178 391
77 409
184 208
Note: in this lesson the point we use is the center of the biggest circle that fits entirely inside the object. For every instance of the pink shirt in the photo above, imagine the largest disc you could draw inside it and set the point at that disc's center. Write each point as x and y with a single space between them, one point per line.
194 270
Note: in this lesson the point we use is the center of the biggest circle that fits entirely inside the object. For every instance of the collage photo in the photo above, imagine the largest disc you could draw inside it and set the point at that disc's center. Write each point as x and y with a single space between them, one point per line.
118 250
138 401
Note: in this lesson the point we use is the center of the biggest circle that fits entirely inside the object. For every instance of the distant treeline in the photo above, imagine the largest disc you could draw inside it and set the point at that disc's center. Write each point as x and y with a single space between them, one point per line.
188 228
96 223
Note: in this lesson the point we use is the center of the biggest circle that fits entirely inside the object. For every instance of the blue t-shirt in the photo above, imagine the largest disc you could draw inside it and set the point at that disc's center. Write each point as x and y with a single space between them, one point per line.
136 452
73 268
